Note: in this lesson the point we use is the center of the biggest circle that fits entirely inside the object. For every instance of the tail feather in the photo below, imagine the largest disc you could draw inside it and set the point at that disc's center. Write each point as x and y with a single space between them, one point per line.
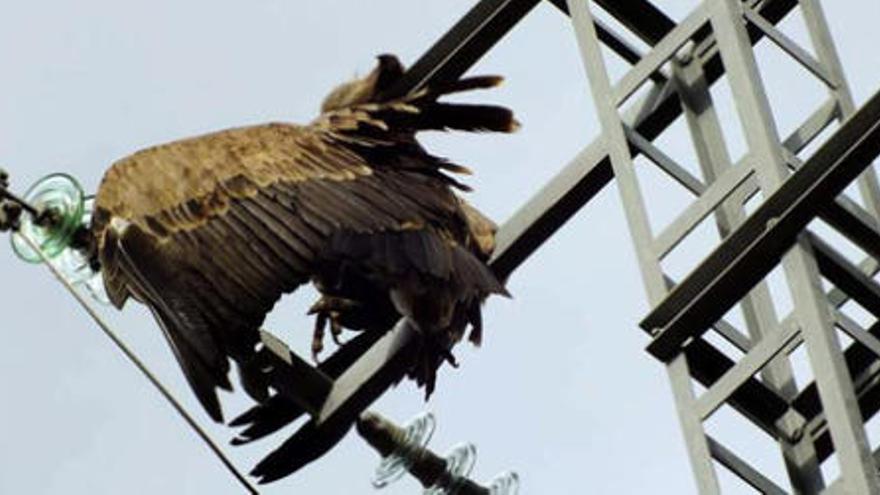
432 353
434 115
465 117
468 84
419 110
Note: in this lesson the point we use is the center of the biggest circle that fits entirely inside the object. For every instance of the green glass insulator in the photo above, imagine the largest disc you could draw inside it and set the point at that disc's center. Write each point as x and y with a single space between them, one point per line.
61 195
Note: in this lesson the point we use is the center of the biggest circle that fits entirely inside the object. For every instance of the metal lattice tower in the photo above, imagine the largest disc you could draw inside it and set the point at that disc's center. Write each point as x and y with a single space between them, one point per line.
810 423
753 244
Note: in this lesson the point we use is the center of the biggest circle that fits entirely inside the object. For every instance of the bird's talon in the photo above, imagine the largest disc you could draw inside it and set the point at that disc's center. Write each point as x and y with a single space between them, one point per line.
317 348
447 355
318 337
335 328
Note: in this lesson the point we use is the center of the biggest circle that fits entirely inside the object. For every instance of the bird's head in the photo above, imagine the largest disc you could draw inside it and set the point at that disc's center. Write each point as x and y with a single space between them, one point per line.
84 241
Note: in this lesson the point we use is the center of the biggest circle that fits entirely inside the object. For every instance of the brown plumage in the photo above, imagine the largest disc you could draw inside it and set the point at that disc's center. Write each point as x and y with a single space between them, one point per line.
209 232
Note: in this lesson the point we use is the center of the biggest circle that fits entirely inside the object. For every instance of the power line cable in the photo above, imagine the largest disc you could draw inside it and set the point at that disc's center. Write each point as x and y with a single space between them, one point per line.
133 358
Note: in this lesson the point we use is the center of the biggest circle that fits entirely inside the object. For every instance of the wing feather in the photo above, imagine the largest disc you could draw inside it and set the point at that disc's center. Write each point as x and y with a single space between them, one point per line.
259 231
236 218
194 346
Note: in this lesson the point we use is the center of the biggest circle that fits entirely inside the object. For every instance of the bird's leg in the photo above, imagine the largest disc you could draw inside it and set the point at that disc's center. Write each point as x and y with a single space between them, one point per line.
334 308
329 309
318 336
335 327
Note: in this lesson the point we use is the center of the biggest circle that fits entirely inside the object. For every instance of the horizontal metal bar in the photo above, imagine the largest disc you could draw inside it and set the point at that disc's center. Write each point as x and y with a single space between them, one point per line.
707 48
796 141
615 42
708 201
381 366
864 367
836 298
856 332
662 52
754 399
850 220
750 252
732 335
813 126
739 176
766 349
791 47
845 275
563 195
868 392
727 331
545 212
706 360
488 21
641 17
625 50
665 162
302 383
743 469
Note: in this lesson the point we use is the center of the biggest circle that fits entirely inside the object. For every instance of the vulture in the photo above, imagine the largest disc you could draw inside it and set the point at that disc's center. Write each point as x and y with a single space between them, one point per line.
209 232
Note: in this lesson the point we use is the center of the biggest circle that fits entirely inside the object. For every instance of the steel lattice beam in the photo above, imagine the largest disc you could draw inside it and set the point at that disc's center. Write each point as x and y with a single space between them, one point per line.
774 235
746 257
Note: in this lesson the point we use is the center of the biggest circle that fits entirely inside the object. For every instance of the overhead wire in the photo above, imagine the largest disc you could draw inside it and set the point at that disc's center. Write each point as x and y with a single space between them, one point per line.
136 361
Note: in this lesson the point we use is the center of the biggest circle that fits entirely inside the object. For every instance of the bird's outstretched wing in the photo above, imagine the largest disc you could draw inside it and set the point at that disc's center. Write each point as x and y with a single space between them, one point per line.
209 232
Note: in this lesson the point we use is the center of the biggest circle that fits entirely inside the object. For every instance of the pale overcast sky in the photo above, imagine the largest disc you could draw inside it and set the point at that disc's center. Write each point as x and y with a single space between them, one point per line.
562 390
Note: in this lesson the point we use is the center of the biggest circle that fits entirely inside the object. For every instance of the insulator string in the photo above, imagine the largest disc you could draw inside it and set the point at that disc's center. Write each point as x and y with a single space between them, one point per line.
133 358
5 194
